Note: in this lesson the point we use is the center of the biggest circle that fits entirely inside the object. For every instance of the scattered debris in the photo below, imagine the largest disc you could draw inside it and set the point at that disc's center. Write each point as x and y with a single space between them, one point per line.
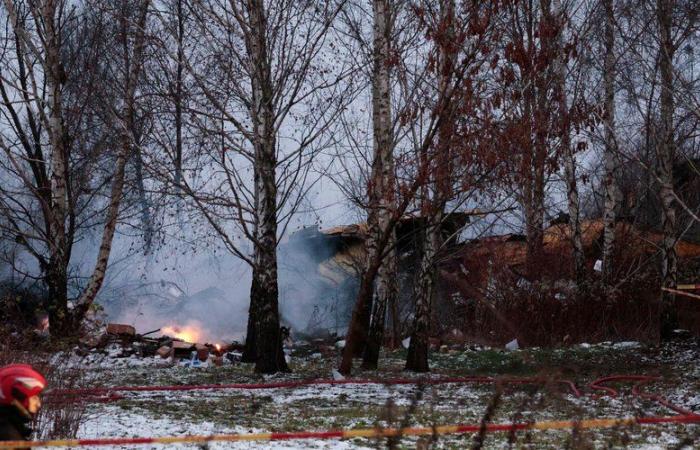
122 341
119 329
234 357
598 266
202 352
165 352
92 341
512 345
182 349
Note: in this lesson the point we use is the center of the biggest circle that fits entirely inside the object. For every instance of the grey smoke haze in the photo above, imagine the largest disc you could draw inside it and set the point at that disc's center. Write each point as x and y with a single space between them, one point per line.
207 288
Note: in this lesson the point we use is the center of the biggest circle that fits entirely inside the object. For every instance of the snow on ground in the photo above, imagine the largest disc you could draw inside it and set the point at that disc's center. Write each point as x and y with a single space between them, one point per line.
352 406
113 422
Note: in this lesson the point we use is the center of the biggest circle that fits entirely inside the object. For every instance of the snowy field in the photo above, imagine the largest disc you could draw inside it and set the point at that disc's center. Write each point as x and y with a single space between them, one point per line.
351 406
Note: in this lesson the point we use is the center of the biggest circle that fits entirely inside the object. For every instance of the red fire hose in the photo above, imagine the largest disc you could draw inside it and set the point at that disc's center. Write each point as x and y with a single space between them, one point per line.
105 394
639 380
110 393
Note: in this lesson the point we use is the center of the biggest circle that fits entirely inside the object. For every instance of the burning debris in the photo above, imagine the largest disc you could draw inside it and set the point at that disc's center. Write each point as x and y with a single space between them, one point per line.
187 333
175 344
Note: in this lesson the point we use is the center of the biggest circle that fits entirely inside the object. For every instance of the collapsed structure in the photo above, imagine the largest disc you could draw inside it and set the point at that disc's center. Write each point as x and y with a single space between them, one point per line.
466 270
338 255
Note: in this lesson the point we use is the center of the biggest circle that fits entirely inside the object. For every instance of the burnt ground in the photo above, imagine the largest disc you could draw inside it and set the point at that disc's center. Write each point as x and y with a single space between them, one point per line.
367 405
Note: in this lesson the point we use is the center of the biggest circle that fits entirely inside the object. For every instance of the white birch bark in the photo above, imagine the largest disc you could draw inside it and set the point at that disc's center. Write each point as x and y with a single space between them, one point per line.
665 156
382 198
572 196
58 248
610 204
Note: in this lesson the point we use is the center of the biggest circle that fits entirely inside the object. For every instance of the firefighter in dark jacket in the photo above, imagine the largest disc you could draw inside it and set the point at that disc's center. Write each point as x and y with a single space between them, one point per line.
20 401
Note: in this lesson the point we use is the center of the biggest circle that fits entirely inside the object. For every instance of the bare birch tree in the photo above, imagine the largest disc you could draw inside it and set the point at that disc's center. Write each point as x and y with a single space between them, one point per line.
527 84
265 78
558 17
41 153
610 155
649 74
382 184
665 154
434 194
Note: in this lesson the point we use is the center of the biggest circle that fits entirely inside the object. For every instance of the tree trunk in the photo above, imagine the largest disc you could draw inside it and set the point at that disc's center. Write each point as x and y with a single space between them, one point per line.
365 297
560 19
534 234
127 145
386 293
365 319
268 342
609 209
666 156
60 323
250 350
355 328
382 181
433 208
395 319
533 171
58 244
417 357
100 270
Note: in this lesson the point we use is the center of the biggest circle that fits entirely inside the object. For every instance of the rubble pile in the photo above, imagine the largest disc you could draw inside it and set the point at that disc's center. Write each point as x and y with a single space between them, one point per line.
122 341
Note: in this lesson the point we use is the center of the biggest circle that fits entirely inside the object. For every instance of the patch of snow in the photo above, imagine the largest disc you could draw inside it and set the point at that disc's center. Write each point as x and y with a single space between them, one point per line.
627 344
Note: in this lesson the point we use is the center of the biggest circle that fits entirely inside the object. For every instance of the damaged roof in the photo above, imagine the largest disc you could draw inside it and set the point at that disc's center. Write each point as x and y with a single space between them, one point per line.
511 249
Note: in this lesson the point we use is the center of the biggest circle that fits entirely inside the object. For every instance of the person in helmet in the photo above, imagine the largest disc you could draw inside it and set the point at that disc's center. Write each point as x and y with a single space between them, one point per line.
20 401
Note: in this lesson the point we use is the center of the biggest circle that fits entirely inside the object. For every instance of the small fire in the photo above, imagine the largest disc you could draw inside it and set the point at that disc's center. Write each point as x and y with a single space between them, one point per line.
218 347
187 333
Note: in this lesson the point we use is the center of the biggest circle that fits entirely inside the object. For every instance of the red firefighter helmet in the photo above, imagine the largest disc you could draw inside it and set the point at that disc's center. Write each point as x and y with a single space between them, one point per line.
19 382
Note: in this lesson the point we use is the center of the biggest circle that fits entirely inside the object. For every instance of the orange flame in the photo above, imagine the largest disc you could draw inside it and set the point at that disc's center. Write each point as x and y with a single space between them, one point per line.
187 333
218 347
